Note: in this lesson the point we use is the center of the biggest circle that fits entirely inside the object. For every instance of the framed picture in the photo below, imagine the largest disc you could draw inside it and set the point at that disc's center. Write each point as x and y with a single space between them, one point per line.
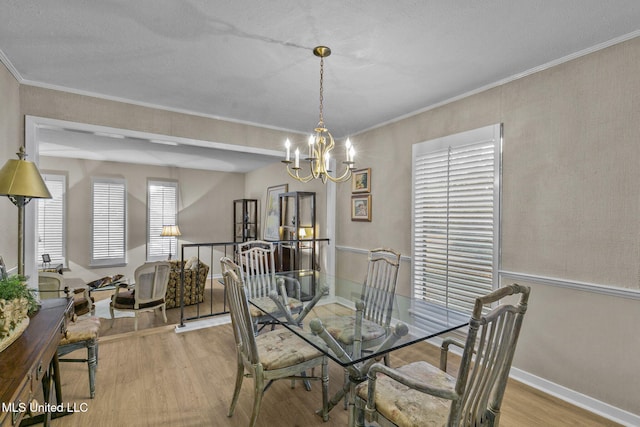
46 258
3 269
272 216
361 181
361 207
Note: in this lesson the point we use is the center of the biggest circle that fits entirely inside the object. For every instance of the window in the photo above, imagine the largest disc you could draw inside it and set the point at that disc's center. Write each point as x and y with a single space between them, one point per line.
51 220
456 217
162 209
109 218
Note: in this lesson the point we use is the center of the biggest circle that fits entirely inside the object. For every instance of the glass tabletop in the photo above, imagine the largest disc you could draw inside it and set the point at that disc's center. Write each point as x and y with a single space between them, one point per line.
411 320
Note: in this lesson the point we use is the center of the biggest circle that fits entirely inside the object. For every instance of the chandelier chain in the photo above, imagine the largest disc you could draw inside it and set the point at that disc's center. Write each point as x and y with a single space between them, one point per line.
321 122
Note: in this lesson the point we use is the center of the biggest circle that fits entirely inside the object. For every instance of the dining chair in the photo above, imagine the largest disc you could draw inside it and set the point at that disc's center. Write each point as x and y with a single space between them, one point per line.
421 394
148 292
378 294
50 285
82 333
256 259
273 355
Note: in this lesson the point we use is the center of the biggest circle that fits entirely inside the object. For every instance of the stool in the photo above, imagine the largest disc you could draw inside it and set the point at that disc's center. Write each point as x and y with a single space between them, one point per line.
83 333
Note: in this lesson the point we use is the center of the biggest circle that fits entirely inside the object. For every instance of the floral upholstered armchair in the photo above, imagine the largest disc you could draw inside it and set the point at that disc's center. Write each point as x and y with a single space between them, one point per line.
195 277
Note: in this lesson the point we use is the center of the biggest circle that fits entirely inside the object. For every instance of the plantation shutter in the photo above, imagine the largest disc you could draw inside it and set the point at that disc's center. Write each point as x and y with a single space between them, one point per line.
51 220
108 221
456 206
162 210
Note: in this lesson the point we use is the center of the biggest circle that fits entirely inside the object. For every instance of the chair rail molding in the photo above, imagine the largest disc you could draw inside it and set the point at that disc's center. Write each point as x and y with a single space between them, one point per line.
365 252
612 291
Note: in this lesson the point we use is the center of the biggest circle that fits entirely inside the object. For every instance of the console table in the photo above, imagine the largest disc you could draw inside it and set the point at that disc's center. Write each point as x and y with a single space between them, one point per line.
32 362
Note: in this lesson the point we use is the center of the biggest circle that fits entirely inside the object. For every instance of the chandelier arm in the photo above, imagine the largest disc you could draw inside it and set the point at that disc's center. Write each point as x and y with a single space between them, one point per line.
342 178
297 176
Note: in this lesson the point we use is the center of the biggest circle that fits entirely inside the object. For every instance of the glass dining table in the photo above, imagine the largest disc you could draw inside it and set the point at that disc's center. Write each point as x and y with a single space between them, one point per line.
412 321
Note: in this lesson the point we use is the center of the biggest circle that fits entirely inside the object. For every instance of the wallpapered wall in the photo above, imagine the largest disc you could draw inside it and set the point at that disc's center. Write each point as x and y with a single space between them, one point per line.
570 210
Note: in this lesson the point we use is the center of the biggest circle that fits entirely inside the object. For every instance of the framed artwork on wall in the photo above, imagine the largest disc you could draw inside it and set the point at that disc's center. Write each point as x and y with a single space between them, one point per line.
272 216
361 181
361 207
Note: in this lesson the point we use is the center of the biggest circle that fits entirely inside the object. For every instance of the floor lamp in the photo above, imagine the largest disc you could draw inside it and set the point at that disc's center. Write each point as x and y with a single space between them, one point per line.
20 180
170 231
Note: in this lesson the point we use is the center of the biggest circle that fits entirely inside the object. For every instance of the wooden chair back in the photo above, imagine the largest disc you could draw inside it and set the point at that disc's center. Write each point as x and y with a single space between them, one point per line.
257 272
50 285
379 288
151 281
487 357
239 309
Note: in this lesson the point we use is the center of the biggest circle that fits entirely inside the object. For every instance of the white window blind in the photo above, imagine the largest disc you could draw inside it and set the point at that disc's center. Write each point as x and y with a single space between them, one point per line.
456 217
109 218
162 207
51 220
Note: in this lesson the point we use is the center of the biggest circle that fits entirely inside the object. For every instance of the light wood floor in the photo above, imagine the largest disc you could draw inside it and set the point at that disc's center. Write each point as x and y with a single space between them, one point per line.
157 377
213 298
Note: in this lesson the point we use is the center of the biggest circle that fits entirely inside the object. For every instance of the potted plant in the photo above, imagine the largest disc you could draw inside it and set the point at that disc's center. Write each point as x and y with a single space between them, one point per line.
16 303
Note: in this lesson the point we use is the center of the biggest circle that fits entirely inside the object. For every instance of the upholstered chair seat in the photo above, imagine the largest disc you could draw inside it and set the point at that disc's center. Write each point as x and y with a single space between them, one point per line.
269 305
82 302
342 328
282 348
127 300
404 406
82 333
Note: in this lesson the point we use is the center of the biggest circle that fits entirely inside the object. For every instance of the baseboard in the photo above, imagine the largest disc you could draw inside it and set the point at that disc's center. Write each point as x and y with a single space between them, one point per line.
578 399
204 323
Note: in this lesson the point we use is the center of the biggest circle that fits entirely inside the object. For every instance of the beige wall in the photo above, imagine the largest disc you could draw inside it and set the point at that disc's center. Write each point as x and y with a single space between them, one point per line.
10 139
570 210
54 104
204 208
206 198
570 199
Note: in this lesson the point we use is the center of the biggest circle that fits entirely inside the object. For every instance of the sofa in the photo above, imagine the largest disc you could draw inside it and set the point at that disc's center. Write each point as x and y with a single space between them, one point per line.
195 278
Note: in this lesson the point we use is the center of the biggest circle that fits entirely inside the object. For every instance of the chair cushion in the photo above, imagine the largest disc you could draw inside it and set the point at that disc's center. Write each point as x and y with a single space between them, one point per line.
81 330
267 303
406 407
127 299
80 305
342 328
281 348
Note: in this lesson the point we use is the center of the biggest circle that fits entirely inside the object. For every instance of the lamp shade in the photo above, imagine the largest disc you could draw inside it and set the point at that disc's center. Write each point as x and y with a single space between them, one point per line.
20 177
170 230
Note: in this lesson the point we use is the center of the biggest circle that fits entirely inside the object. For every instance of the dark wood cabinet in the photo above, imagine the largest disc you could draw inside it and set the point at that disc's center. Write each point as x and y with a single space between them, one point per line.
245 220
297 250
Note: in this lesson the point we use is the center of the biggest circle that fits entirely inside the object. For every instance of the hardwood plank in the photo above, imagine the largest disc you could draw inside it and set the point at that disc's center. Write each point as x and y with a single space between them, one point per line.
186 380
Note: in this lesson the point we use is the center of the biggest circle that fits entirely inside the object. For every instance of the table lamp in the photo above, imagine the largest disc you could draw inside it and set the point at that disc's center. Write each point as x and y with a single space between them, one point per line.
20 180
170 231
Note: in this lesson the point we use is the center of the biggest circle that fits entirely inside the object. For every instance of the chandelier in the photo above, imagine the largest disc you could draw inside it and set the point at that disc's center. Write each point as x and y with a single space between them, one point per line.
321 144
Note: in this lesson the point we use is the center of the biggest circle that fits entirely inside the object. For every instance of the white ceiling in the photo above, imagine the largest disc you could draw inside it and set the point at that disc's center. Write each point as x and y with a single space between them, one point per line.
252 61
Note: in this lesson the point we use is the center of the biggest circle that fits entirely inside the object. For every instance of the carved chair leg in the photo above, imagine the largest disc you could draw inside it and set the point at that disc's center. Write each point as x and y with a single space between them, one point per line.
92 362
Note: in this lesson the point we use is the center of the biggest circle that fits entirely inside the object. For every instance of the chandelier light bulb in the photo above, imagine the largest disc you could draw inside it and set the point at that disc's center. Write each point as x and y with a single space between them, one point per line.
287 145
